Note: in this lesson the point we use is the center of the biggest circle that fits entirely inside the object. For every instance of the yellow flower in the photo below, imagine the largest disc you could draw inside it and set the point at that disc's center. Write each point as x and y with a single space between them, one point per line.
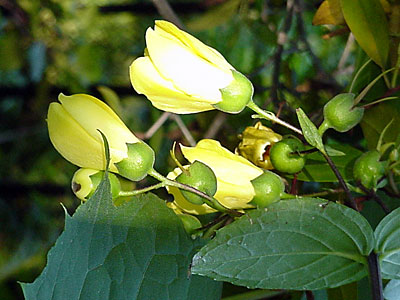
74 131
85 182
234 174
180 74
256 143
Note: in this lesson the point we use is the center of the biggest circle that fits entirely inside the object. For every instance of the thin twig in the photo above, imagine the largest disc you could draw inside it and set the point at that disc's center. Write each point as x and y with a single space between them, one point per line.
350 200
166 11
215 125
372 194
152 130
186 133
282 39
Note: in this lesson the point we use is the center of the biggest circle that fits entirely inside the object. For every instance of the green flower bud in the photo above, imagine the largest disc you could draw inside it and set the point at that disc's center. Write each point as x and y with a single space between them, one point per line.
85 182
340 114
268 187
368 169
202 178
236 95
139 162
284 157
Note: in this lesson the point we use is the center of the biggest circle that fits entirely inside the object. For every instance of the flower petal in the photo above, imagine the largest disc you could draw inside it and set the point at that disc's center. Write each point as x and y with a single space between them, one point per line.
206 52
161 92
227 166
92 114
72 141
188 72
234 196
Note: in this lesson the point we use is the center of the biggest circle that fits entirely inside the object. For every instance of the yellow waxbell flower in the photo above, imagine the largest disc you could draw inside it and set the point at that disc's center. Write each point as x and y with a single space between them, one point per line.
234 175
256 143
85 182
74 126
180 74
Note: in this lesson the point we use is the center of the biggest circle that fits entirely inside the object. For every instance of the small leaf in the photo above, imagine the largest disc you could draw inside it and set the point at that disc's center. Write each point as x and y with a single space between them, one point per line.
373 37
392 290
310 131
333 152
138 250
387 236
293 244
328 13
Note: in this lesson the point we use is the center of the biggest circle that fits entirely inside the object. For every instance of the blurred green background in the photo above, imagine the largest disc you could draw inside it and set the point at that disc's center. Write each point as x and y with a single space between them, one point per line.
71 46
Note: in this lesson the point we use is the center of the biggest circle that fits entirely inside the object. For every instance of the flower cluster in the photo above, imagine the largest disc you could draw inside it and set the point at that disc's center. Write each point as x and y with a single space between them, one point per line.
179 74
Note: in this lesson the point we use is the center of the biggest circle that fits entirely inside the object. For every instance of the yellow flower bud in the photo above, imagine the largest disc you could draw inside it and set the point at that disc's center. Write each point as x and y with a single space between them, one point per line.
85 182
255 145
234 174
180 74
74 126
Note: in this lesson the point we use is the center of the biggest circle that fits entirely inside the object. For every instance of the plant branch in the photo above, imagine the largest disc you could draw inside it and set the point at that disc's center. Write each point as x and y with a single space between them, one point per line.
372 194
166 11
210 201
270 117
375 276
350 200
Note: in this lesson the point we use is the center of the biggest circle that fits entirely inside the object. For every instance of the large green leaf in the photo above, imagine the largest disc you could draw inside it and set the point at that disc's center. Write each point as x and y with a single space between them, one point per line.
293 244
138 250
387 236
318 170
367 22
392 290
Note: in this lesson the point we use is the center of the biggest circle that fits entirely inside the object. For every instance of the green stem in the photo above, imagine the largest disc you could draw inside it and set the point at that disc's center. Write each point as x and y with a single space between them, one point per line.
210 201
323 127
270 116
141 191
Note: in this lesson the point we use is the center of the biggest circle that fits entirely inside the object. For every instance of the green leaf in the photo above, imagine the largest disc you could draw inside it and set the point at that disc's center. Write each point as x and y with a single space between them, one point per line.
293 244
387 236
392 290
372 36
310 132
344 292
333 152
318 170
138 250
372 126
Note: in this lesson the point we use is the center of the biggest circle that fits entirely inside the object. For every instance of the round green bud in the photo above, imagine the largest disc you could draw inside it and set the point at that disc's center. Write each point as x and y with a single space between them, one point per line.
190 223
85 182
236 95
139 162
202 178
368 169
268 188
284 156
340 114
